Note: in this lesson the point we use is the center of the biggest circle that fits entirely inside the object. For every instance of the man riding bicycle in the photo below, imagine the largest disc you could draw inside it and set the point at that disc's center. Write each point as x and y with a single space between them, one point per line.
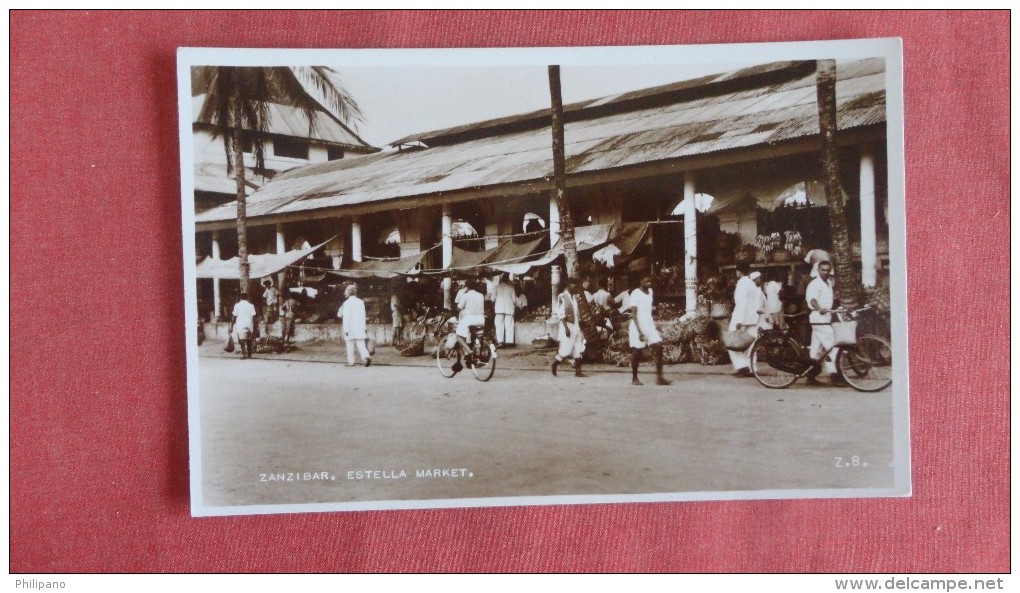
472 312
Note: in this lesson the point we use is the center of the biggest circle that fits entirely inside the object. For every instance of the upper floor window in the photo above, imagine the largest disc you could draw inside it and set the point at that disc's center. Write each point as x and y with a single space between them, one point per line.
295 148
334 153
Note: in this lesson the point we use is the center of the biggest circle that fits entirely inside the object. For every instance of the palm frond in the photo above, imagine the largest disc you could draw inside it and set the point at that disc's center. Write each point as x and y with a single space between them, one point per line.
322 83
309 89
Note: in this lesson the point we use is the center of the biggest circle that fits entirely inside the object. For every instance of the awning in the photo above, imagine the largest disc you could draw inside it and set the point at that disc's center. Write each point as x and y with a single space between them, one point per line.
464 260
629 236
260 266
510 252
505 253
585 237
522 268
591 236
383 268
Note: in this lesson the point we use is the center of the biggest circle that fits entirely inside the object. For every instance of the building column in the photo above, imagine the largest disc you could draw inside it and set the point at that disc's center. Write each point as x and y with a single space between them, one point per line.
447 238
690 246
869 240
554 220
491 235
335 250
554 282
447 229
356 238
281 247
216 281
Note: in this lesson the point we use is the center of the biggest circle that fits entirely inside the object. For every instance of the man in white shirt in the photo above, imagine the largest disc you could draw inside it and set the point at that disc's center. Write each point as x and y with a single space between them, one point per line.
243 322
352 315
643 333
571 340
602 297
271 298
521 302
504 300
472 312
748 305
586 288
820 298
458 300
622 300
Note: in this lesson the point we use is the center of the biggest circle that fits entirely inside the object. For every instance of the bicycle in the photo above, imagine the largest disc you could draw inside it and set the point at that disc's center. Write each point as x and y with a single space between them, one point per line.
480 358
427 326
778 359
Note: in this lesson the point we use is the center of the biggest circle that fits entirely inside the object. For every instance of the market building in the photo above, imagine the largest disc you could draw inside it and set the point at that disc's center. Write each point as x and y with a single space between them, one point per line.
680 181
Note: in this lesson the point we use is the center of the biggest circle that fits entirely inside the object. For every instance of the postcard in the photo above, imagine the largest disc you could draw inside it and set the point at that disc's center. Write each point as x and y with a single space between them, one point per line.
533 276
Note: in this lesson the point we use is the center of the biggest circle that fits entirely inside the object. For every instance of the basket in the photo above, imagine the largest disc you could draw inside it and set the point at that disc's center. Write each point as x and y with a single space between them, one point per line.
720 310
846 332
543 343
737 341
781 255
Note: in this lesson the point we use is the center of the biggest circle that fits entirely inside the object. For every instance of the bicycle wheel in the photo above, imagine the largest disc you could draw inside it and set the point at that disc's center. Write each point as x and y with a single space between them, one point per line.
867 365
484 363
447 357
776 361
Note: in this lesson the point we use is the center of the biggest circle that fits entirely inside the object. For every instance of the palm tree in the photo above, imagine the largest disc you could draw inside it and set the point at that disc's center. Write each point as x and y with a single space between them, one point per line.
560 175
237 105
847 281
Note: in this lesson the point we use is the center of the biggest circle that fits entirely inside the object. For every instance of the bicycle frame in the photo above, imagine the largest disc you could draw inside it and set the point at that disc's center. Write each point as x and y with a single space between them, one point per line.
782 359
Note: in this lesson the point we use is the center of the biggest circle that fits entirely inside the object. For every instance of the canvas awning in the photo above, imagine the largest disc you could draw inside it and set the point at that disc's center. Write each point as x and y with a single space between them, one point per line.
260 266
586 237
383 268
505 253
629 236
464 260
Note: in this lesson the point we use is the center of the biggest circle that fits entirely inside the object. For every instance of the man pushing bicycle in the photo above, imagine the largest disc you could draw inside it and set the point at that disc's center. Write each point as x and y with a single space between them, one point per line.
820 298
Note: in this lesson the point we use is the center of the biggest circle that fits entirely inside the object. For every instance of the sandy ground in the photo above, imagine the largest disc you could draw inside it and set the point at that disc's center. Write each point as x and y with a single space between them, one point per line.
304 428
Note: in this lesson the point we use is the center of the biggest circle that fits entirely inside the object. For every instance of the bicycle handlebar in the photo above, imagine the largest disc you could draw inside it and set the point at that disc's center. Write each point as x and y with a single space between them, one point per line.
839 311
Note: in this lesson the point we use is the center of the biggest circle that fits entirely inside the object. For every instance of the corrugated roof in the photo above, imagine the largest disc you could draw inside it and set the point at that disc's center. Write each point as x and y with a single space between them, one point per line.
693 125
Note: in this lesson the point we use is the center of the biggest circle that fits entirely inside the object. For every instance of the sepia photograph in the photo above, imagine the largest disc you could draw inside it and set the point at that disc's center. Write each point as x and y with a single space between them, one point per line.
537 276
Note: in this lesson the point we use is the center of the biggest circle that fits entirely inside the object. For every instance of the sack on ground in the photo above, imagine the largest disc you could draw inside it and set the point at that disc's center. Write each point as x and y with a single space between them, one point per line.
737 341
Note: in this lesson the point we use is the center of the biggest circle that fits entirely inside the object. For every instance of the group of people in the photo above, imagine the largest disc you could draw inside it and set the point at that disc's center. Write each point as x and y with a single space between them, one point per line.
757 304
244 317
505 297
642 333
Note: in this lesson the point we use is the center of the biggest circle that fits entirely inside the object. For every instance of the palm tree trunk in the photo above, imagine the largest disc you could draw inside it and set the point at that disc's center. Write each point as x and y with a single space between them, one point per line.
847 281
242 216
560 175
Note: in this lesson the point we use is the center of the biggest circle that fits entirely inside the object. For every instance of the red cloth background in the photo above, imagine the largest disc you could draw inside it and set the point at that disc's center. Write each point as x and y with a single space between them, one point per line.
99 451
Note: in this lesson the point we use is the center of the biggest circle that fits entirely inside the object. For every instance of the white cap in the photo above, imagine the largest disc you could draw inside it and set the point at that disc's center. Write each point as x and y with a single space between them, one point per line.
754 275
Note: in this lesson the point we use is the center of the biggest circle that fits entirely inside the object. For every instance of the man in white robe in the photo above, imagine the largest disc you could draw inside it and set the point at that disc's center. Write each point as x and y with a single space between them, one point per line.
748 305
355 327
643 333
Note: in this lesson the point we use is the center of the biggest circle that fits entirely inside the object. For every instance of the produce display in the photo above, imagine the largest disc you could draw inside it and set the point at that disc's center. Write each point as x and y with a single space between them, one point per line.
271 345
692 340
540 313
668 311
793 242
